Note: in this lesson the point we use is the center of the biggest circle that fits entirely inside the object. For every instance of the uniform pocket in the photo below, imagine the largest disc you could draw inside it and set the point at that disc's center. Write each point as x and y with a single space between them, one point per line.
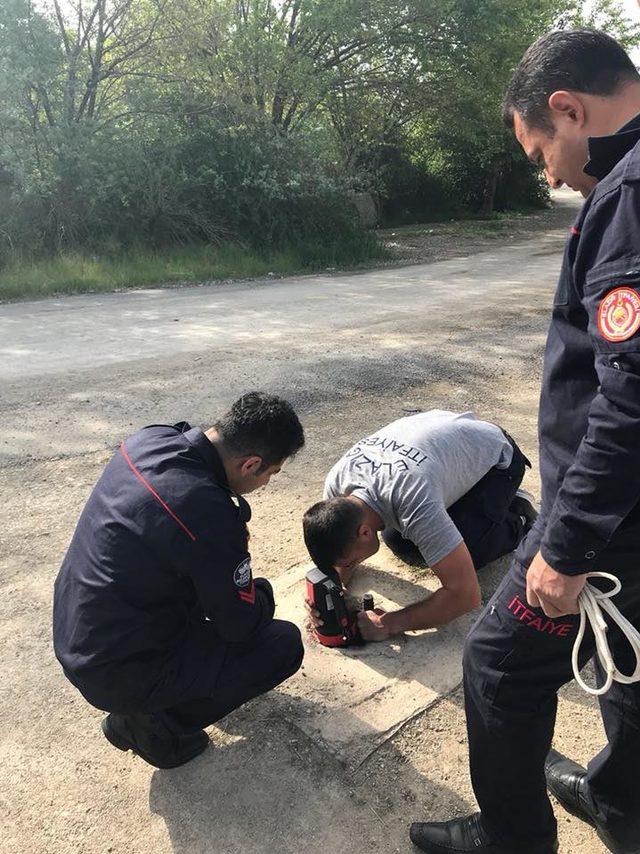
509 656
516 658
561 296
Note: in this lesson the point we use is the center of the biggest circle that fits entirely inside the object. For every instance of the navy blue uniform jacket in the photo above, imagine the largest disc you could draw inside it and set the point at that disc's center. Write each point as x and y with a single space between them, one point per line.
161 545
589 421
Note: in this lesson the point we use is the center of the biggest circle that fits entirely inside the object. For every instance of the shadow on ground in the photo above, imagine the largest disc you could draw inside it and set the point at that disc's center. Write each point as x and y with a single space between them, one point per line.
264 787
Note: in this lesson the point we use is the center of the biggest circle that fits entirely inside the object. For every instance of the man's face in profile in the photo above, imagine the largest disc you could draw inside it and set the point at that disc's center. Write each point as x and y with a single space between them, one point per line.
561 151
363 548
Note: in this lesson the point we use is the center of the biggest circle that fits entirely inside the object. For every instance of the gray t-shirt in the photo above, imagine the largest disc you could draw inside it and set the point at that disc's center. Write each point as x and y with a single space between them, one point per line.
411 471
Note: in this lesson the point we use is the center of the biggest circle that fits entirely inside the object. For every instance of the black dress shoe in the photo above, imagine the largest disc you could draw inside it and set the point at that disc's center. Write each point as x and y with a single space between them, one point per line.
155 738
567 782
468 835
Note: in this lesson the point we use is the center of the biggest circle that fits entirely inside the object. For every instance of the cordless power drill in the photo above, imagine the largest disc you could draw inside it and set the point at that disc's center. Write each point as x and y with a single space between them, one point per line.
326 595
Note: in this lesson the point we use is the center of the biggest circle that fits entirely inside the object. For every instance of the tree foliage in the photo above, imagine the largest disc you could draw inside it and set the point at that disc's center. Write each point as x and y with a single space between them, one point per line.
160 121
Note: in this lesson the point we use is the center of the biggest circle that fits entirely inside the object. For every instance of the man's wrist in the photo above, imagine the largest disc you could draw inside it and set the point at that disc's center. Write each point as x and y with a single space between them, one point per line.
392 622
568 568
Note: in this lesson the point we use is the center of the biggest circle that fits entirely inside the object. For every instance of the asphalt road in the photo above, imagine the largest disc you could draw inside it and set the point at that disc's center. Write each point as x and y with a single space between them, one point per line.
107 362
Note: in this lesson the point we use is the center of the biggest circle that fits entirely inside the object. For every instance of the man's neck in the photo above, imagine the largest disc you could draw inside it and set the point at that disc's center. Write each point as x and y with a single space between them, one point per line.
369 516
216 440
212 435
613 113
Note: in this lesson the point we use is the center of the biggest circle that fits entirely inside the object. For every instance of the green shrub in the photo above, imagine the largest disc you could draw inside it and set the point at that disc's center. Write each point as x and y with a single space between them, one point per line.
169 185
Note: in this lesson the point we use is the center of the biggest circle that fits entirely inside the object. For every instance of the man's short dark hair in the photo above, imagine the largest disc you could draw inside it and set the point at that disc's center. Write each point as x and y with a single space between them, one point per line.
330 527
574 60
264 425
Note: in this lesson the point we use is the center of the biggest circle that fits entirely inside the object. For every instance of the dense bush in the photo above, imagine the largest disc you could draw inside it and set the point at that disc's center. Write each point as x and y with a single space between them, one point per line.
432 188
170 184
413 191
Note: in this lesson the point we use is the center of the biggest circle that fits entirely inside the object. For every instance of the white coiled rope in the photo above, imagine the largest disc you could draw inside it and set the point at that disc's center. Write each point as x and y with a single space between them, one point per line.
592 603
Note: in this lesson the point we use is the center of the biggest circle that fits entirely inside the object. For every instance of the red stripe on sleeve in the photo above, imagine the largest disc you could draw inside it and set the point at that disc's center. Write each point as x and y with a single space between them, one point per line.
148 486
248 595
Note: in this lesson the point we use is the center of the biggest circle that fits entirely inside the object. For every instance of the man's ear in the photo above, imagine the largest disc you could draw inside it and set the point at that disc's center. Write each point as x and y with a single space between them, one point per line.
251 466
567 105
364 532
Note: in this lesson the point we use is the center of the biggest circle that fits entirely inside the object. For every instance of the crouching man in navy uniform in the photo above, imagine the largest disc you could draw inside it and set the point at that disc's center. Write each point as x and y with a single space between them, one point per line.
574 100
157 617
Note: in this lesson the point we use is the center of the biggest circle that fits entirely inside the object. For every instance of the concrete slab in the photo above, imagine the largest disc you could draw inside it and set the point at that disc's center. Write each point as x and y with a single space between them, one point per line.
352 700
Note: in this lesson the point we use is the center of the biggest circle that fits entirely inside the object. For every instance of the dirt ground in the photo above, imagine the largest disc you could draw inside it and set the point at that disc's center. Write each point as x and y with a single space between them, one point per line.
264 785
437 241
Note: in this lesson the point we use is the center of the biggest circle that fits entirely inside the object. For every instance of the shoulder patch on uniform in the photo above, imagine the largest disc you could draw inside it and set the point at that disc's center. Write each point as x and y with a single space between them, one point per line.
619 314
242 573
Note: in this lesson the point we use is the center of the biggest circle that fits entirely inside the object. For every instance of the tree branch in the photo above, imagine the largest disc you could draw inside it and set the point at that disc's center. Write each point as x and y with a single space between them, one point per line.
62 27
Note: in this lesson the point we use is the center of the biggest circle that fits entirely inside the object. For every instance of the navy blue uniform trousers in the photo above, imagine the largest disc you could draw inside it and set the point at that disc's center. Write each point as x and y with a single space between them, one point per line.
249 669
515 661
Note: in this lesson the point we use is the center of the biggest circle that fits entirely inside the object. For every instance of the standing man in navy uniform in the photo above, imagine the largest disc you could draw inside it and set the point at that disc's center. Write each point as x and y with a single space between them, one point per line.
574 100
157 618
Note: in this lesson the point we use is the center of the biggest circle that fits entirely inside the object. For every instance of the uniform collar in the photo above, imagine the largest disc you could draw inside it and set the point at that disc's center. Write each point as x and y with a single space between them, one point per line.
206 449
606 151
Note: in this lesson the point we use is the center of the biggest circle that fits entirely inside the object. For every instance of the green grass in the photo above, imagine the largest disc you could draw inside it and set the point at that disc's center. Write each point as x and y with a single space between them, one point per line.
77 272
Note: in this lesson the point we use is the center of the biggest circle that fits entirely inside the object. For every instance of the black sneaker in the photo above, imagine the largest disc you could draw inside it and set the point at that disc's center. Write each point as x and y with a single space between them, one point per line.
464 835
154 738
524 505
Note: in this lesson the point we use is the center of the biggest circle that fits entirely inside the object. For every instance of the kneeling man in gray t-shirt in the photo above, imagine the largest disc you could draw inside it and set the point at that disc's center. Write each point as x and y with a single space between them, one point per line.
443 490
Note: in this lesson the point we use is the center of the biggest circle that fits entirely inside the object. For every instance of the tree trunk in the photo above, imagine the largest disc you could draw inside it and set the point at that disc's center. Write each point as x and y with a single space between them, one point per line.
489 192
